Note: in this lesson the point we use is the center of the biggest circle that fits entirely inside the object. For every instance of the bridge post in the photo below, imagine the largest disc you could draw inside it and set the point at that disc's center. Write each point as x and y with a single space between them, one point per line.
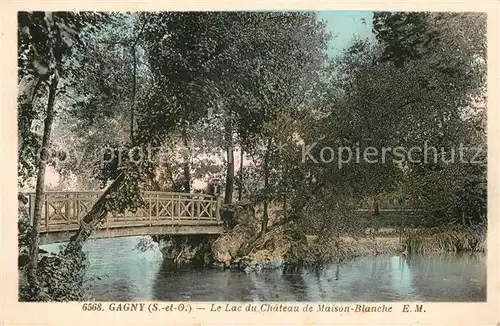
45 204
217 209
66 209
150 203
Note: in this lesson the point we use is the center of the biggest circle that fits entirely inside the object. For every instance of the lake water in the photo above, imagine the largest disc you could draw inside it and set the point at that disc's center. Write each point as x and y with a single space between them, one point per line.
118 272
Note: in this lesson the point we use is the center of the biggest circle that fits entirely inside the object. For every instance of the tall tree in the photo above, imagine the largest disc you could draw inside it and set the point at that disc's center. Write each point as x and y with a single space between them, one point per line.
45 41
239 62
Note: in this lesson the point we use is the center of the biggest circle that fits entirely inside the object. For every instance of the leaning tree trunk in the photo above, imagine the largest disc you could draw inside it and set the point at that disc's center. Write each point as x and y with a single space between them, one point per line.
40 180
94 217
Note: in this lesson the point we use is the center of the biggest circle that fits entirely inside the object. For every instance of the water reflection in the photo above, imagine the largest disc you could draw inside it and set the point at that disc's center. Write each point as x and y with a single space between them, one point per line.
401 277
115 290
450 277
120 273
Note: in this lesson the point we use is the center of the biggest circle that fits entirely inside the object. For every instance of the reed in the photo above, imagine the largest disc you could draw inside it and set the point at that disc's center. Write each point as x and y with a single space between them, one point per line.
446 239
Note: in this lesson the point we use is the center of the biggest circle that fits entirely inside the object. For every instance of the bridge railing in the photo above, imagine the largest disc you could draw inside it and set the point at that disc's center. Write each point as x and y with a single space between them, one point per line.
63 211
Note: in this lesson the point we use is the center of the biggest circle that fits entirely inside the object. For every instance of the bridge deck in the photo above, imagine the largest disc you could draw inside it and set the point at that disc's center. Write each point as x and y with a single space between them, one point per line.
163 213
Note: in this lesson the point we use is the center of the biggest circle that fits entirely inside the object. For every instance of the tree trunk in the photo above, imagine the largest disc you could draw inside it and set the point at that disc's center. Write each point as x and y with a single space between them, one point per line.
175 186
228 197
296 213
94 217
285 189
39 191
376 206
240 188
265 215
297 206
186 166
284 206
134 86
401 227
187 178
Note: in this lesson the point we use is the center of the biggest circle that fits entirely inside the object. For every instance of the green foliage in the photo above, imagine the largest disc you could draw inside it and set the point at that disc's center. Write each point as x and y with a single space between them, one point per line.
405 35
23 226
244 64
46 40
62 279
417 84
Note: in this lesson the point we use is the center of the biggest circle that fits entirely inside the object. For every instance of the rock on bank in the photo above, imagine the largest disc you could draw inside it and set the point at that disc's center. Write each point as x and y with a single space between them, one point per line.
287 246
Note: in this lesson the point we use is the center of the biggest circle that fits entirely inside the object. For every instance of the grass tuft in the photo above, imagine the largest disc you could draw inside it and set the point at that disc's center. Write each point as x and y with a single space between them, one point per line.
446 239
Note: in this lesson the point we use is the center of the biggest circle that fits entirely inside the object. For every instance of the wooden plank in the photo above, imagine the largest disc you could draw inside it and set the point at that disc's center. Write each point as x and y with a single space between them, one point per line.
178 194
146 193
46 238
55 193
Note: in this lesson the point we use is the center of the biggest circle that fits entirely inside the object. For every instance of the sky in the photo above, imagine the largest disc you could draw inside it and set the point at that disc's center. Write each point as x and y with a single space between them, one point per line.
345 25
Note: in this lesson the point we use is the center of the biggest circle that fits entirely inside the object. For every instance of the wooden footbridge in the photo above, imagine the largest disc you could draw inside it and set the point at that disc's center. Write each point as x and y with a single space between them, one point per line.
163 213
